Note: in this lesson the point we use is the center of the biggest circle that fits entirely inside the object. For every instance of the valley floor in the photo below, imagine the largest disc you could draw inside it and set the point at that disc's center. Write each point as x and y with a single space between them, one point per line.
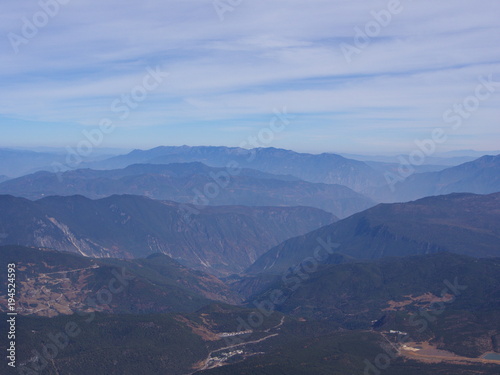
428 353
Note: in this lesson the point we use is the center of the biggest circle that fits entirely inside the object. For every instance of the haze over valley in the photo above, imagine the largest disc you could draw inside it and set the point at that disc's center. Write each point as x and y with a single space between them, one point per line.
232 187
249 259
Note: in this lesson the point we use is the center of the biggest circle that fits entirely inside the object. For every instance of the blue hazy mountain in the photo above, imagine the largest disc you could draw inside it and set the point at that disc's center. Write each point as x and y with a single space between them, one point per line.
323 168
220 240
192 183
466 224
480 176
367 177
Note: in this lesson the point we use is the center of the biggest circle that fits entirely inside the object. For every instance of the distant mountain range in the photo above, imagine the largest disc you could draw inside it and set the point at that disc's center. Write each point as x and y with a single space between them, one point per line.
323 168
367 177
16 162
220 240
384 167
481 176
192 183
460 223
439 159
217 260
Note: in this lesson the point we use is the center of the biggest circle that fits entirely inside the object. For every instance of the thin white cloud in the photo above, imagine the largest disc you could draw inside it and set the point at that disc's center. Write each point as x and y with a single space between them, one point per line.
264 55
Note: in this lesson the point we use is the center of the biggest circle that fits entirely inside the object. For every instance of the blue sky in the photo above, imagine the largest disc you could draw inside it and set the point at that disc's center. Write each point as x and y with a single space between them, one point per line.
226 77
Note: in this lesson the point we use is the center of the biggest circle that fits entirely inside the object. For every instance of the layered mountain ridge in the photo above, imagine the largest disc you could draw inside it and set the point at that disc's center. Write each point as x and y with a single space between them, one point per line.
466 224
220 240
192 183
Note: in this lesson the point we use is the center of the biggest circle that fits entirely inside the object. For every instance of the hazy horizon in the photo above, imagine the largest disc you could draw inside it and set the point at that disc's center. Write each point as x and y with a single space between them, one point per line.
125 150
250 187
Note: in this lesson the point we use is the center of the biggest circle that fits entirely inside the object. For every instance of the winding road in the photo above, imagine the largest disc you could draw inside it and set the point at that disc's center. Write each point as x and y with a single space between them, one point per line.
206 362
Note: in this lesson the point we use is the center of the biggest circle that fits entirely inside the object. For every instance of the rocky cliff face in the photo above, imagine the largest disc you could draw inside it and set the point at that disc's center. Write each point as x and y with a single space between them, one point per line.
220 240
465 224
